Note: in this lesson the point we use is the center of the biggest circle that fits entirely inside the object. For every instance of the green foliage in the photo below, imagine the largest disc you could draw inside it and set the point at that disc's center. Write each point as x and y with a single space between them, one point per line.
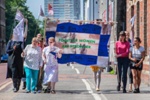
11 8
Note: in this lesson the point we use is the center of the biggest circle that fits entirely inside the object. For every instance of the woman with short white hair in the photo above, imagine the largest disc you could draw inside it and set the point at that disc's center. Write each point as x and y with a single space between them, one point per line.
32 63
49 56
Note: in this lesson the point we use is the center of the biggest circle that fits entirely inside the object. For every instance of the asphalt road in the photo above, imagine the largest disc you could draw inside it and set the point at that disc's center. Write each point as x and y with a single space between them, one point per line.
75 84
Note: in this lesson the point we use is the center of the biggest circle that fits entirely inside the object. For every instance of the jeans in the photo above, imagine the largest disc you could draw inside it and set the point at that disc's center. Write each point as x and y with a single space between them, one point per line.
31 75
123 64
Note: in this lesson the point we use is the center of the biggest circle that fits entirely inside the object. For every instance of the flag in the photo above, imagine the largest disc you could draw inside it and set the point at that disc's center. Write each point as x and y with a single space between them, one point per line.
132 20
50 9
19 15
18 31
41 12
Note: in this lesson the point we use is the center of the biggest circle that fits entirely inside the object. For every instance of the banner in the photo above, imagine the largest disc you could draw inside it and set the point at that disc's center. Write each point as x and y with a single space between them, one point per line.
18 31
19 16
82 44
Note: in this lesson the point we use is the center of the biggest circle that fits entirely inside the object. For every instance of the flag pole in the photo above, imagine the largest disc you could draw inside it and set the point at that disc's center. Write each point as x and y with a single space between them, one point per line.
81 20
36 26
45 19
13 26
84 69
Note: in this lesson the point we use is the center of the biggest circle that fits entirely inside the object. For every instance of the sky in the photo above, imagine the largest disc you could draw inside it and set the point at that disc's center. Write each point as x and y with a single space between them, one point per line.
34 6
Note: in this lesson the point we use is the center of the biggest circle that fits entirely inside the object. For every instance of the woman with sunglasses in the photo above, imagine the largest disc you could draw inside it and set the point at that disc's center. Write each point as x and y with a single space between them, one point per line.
137 55
49 56
122 52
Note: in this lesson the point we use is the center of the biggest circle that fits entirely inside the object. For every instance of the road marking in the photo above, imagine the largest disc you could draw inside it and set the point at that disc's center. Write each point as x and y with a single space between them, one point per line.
88 87
72 66
78 72
96 96
5 85
102 95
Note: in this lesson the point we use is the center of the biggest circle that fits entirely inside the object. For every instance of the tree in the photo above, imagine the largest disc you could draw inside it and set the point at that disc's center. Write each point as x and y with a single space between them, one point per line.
41 26
11 8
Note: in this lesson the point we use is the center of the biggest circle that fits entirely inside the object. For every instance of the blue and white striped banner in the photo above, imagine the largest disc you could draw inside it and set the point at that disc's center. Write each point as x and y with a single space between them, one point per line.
83 44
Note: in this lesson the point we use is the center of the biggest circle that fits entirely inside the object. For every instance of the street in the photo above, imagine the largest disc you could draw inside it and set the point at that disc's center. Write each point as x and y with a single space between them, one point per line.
73 85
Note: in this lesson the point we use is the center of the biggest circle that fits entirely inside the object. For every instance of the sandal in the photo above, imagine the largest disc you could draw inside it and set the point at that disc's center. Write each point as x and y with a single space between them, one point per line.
97 89
45 90
53 92
130 90
48 90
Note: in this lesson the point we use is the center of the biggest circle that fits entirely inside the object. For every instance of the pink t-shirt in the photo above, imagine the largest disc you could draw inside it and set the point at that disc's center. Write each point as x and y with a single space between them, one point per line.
122 48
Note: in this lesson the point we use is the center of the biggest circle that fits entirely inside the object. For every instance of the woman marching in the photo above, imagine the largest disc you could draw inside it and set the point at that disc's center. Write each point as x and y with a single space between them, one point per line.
122 52
137 55
49 56
32 63
97 76
15 62
129 69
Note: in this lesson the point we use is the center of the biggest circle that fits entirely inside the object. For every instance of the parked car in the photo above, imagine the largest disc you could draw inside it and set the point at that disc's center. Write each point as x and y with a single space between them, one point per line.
4 58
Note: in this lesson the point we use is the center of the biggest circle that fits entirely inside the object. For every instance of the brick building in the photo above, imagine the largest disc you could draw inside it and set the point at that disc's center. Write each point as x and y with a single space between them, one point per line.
140 9
2 27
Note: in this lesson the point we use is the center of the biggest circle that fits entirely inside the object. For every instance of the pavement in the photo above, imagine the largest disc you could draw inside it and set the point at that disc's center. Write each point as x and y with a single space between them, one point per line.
75 83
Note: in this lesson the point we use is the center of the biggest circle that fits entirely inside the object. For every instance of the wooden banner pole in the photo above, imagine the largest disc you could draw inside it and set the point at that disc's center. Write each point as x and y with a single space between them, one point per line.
78 20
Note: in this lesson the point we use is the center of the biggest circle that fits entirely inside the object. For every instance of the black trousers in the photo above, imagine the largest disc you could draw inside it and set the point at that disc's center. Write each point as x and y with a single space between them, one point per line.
123 64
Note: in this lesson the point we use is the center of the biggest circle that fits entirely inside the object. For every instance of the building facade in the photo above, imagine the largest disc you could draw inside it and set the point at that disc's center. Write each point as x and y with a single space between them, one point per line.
92 9
2 27
139 9
64 9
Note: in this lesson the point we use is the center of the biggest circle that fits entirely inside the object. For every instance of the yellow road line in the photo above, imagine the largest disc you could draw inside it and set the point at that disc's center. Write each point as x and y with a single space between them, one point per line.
5 85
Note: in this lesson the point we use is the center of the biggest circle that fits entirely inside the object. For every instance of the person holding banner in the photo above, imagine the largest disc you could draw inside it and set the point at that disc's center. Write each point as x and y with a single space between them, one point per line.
137 56
122 52
32 63
97 76
49 56
39 36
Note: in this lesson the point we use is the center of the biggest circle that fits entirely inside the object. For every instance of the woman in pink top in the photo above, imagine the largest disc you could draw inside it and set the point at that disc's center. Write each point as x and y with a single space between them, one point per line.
122 52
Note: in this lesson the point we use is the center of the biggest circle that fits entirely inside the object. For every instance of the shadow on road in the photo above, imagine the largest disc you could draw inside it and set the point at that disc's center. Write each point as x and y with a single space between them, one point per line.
120 92
73 91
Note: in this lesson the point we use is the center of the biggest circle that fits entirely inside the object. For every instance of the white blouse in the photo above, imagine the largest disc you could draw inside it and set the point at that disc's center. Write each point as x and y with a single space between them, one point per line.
33 57
51 59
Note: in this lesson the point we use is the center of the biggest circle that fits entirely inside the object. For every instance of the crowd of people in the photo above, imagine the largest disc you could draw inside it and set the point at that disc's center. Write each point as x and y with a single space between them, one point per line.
37 64
130 56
